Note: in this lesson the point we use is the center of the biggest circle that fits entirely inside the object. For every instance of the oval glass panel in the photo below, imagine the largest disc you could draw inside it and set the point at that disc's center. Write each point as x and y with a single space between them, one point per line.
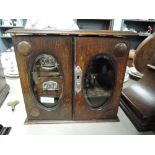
47 80
99 81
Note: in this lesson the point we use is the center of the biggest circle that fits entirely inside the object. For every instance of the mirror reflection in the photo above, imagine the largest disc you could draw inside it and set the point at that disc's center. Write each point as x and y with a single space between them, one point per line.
47 80
99 81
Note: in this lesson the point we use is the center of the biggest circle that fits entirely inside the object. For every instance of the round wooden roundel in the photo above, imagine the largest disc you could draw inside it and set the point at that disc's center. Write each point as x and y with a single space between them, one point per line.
144 52
120 49
35 112
24 48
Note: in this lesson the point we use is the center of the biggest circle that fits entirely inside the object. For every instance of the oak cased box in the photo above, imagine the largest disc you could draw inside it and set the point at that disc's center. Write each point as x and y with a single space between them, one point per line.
71 75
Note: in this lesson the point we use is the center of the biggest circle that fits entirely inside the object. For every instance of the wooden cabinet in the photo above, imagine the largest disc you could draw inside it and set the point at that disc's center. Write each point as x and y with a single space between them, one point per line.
71 75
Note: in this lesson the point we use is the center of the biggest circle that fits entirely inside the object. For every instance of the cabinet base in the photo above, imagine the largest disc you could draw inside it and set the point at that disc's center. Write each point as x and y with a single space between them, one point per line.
68 121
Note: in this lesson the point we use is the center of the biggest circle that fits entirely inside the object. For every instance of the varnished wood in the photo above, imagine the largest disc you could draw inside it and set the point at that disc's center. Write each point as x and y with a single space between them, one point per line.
29 122
61 48
86 49
72 32
138 100
71 48
144 53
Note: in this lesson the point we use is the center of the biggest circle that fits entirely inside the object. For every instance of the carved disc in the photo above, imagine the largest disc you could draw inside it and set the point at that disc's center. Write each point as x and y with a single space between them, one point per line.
35 112
24 48
120 49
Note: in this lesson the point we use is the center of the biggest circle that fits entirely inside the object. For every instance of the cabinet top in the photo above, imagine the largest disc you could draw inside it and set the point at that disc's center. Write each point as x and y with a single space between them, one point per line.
22 31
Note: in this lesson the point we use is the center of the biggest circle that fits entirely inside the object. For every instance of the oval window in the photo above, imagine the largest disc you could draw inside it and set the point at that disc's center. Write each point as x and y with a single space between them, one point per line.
99 81
47 80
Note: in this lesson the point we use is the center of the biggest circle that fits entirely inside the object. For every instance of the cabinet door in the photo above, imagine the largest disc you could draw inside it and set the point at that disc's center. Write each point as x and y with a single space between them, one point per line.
45 67
100 64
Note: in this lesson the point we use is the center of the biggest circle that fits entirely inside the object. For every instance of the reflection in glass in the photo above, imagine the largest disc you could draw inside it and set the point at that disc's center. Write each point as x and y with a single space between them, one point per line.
99 81
46 80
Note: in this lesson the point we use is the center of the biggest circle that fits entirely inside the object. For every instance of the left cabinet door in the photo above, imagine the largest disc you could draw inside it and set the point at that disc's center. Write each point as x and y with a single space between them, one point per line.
45 68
